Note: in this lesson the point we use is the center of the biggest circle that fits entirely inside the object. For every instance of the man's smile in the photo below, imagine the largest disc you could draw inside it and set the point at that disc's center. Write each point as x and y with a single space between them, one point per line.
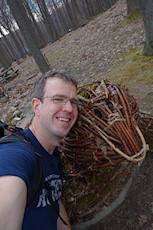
63 119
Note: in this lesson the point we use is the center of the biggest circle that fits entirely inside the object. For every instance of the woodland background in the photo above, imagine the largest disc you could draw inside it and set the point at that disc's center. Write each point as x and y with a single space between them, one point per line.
43 22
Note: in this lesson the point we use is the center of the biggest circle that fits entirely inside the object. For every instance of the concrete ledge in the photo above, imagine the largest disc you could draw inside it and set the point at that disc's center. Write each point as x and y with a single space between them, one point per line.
94 223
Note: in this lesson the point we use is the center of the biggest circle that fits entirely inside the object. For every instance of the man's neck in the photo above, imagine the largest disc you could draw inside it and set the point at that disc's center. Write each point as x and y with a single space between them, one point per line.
47 142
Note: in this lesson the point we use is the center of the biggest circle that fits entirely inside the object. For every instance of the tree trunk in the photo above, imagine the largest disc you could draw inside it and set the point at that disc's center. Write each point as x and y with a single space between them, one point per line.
8 47
69 13
4 60
100 6
18 49
41 40
89 8
48 20
147 15
76 13
21 17
18 34
133 6
61 18
85 11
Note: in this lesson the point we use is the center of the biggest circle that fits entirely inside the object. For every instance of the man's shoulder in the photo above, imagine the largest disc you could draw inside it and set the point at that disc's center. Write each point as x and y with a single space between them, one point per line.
15 145
11 147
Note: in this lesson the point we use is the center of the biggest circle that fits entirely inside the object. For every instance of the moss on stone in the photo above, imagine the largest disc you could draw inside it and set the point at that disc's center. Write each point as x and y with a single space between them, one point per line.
133 16
133 67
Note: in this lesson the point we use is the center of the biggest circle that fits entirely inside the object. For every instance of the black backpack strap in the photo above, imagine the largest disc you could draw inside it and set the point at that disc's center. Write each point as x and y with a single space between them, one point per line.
37 184
17 136
48 188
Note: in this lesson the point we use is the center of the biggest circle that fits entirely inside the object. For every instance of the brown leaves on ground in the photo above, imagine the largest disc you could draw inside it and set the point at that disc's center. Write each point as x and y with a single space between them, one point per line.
142 220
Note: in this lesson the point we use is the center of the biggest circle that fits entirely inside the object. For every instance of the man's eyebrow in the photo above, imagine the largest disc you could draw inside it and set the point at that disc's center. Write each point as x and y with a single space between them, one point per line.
60 95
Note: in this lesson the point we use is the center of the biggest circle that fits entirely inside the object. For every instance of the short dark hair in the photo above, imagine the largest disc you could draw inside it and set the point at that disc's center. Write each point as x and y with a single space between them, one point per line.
39 85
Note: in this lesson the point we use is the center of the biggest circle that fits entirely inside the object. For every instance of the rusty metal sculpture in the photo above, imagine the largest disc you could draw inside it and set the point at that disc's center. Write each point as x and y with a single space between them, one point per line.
107 130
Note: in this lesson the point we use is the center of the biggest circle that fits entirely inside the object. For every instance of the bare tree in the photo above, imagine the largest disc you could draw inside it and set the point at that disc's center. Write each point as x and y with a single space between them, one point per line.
6 56
5 62
70 13
147 15
41 40
89 7
54 19
50 26
7 46
76 13
6 24
24 23
60 16
133 6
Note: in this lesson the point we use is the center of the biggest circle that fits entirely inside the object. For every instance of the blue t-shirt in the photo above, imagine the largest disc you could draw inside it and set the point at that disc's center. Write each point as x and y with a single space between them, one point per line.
18 159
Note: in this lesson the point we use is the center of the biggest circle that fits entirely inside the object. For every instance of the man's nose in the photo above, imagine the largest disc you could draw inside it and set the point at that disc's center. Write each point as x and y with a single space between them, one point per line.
68 106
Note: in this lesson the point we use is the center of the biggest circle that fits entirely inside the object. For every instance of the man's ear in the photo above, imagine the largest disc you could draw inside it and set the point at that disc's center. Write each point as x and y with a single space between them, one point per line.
35 105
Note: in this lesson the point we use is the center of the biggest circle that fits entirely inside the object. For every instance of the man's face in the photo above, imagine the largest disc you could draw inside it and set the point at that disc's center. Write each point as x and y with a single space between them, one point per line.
57 118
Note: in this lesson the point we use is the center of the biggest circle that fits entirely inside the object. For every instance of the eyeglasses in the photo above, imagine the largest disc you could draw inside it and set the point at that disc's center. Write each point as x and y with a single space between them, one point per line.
61 100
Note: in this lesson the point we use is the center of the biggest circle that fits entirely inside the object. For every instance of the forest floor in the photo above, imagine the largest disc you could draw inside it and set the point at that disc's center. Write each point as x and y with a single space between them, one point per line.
109 46
136 211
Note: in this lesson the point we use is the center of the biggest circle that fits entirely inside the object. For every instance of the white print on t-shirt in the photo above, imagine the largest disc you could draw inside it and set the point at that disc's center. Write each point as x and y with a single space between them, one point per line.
56 185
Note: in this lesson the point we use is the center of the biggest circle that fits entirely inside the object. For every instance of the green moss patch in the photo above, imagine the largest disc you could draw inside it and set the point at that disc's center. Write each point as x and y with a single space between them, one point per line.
133 16
133 69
